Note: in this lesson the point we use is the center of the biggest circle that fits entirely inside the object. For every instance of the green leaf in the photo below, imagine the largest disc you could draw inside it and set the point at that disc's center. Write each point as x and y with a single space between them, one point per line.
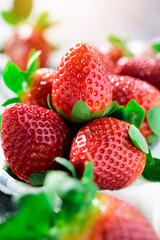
120 114
153 119
33 62
33 220
23 8
62 114
156 46
80 112
152 138
121 44
71 193
137 138
44 22
66 163
152 170
37 179
12 77
135 114
11 100
49 102
19 12
10 17
113 106
96 115
149 156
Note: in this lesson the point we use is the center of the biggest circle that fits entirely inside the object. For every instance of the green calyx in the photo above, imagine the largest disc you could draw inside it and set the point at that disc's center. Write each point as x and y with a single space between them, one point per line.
133 113
18 81
153 119
120 44
64 208
19 12
44 22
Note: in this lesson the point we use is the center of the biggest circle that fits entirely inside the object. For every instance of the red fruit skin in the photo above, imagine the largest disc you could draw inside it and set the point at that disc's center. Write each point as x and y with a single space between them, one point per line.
119 221
147 69
117 162
25 38
31 138
107 60
126 88
81 76
40 87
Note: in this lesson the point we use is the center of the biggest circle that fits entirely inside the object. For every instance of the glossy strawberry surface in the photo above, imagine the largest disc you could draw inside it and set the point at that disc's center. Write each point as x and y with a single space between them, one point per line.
39 88
24 39
118 220
31 138
117 161
81 76
126 88
147 69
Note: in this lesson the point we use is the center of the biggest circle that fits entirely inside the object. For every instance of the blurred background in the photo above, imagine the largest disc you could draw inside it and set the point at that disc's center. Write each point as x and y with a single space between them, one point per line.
88 21
93 20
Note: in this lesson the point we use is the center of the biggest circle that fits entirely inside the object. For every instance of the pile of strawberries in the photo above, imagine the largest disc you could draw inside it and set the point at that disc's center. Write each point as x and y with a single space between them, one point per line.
91 117
91 108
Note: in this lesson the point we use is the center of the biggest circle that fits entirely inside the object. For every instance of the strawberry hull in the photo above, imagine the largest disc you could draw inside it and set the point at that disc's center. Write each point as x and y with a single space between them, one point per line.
31 138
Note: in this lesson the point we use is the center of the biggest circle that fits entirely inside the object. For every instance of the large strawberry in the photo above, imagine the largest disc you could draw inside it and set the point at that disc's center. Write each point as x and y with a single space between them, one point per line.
81 80
147 69
25 38
117 161
31 138
81 213
33 86
126 88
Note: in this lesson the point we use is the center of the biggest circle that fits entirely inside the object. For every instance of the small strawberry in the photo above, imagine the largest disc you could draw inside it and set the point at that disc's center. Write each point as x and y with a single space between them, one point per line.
33 86
31 138
39 88
117 161
147 69
126 88
81 79
25 38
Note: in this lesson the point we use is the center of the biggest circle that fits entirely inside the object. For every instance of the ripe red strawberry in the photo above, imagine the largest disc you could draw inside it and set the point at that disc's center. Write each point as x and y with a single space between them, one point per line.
126 88
147 69
40 85
81 76
31 138
117 161
119 221
25 38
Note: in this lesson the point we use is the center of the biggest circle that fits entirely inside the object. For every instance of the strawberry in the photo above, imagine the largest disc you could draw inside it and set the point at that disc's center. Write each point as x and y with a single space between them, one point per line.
39 88
31 138
107 60
32 87
119 221
117 161
147 69
126 88
25 38
81 77
81 214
